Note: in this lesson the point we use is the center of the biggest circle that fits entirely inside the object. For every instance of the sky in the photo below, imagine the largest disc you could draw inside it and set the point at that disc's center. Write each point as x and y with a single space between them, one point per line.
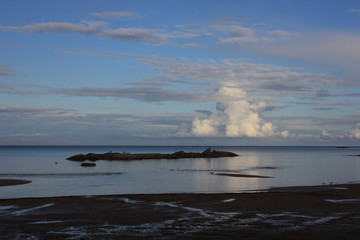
180 72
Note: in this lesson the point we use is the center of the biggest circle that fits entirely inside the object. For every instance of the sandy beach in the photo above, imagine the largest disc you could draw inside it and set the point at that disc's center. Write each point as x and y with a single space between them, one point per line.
317 212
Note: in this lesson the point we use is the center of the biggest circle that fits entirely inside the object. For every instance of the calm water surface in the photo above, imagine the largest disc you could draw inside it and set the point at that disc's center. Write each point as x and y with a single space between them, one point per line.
287 166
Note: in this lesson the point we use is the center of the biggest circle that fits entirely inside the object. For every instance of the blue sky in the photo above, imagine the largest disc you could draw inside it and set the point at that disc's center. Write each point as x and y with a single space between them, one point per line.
282 72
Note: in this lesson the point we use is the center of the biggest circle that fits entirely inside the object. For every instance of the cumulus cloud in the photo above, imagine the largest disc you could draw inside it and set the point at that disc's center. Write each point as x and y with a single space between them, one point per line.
355 133
235 117
325 135
285 134
205 127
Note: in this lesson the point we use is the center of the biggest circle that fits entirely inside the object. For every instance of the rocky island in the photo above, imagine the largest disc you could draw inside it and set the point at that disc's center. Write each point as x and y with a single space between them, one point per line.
140 156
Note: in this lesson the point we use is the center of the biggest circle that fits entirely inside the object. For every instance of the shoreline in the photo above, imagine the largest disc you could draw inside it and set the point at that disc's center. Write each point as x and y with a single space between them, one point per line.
304 212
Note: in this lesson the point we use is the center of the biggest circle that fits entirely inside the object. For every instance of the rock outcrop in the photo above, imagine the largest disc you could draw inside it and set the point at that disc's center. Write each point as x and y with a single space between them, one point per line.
139 156
87 164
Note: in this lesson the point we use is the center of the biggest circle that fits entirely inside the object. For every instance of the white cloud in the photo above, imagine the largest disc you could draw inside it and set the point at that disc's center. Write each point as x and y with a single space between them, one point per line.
236 117
325 135
205 127
355 133
285 134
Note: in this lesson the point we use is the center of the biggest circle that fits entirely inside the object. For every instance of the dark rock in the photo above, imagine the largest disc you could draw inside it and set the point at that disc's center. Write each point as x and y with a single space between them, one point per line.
207 152
139 156
87 164
77 157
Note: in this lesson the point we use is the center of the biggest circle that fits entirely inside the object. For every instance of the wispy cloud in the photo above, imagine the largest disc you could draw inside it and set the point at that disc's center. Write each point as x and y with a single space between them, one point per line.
236 33
28 135
257 78
97 29
29 124
2 45
354 10
283 35
135 35
225 32
139 93
331 49
7 71
114 14
268 81
23 89
90 28
23 110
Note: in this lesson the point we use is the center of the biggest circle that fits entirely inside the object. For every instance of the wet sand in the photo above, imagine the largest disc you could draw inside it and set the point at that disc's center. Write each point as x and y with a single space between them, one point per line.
318 212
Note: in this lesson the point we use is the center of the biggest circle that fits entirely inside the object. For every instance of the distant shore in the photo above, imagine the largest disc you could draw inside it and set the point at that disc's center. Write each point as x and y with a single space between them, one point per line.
310 212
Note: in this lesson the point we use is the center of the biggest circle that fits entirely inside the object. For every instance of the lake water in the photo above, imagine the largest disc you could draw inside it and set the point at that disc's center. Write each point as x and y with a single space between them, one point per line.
287 166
